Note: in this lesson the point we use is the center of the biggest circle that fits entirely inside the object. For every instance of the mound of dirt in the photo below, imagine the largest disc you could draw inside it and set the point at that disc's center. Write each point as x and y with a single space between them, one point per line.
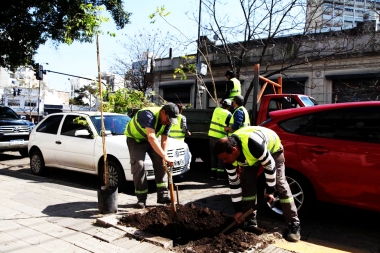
196 229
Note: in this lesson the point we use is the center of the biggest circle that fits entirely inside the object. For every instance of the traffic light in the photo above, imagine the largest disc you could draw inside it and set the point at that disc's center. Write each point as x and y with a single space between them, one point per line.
39 72
19 92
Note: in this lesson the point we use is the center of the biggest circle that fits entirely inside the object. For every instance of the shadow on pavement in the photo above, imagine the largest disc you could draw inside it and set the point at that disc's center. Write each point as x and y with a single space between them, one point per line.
7 157
84 210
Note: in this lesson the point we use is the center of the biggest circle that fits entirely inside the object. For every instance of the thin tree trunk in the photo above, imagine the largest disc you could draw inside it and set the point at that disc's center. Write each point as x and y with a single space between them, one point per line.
105 167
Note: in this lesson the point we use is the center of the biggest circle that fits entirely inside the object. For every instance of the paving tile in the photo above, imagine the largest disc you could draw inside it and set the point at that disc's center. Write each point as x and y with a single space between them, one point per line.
32 248
125 242
54 244
9 225
109 234
9 243
98 246
72 249
54 230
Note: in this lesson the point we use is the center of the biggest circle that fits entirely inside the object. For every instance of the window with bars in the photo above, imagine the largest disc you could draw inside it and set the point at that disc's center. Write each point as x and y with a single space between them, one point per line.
13 102
30 103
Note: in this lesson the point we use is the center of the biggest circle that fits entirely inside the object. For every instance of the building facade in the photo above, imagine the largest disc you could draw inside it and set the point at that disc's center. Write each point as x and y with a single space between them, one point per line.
325 15
331 67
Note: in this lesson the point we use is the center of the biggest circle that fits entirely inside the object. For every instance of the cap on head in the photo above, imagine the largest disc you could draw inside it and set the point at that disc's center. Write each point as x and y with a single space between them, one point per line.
239 100
226 102
230 73
172 111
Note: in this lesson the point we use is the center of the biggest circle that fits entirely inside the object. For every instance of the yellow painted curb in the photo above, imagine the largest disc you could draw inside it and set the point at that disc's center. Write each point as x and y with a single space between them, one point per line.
316 246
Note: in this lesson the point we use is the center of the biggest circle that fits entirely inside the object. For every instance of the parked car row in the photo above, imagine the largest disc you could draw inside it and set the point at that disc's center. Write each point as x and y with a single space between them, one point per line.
330 150
14 131
331 153
73 141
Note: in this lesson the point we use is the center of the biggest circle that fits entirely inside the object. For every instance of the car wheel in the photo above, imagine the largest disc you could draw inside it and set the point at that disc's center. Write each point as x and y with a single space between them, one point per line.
302 194
37 164
115 176
23 152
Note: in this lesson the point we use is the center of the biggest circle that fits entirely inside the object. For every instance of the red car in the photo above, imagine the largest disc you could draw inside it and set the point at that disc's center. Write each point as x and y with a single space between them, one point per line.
332 153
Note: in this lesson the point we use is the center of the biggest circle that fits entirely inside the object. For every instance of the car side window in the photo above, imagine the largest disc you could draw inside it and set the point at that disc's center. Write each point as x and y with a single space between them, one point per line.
50 125
296 125
72 123
355 124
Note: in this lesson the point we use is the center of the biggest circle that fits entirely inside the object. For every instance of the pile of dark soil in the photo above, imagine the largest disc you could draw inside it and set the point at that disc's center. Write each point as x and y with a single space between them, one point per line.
197 229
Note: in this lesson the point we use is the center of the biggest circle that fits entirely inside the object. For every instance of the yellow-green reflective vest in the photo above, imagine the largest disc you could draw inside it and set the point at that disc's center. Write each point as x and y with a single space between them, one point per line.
136 131
218 122
236 90
176 130
246 117
272 141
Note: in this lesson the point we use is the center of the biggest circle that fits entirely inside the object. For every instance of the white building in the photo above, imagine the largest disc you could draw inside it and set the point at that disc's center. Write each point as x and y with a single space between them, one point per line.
325 15
20 90
114 82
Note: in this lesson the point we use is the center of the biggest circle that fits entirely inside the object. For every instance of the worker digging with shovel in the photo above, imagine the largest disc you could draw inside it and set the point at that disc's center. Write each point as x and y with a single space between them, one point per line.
249 147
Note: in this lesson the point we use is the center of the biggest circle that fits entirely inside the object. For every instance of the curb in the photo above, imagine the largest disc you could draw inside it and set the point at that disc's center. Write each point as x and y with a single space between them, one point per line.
110 221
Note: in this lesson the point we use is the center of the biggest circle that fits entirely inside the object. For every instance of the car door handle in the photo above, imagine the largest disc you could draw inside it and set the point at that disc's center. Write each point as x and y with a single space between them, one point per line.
318 150
58 142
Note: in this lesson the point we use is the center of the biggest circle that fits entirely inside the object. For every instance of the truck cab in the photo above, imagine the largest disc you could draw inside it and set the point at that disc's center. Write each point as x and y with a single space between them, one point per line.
274 102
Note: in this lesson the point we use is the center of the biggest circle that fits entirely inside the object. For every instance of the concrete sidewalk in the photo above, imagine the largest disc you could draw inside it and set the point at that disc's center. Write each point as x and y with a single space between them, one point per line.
38 214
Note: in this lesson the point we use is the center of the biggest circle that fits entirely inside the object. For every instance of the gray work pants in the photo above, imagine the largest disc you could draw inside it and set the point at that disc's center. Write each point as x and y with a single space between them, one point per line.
137 152
216 163
248 180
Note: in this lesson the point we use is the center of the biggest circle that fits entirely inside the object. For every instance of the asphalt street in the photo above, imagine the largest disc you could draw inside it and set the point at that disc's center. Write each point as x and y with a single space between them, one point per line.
328 228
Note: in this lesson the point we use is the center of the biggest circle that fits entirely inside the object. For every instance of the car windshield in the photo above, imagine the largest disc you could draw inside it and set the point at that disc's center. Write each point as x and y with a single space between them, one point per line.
307 101
7 113
114 123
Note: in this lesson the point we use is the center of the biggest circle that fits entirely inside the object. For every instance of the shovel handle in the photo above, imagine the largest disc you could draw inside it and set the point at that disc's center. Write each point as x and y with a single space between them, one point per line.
233 224
171 189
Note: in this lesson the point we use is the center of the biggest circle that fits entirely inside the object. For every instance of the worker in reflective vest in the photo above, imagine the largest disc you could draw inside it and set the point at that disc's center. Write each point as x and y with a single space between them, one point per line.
142 132
240 117
220 119
250 147
179 131
233 86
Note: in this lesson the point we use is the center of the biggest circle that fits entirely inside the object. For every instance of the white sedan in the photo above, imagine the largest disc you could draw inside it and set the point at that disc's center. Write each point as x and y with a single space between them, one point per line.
73 141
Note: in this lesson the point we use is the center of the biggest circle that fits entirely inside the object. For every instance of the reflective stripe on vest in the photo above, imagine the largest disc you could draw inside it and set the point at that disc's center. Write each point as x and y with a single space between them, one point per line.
272 141
136 131
246 117
236 90
176 130
218 122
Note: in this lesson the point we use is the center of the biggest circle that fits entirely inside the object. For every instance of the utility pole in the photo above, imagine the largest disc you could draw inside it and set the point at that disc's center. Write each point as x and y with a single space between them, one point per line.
198 48
39 98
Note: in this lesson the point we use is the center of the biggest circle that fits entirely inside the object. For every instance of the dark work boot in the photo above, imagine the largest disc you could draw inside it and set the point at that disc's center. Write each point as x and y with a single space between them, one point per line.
162 196
141 201
293 234
250 223
220 176
213 174
140 204
164 200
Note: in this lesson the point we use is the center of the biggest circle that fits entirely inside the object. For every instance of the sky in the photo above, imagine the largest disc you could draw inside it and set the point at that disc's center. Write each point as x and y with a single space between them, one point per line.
80 59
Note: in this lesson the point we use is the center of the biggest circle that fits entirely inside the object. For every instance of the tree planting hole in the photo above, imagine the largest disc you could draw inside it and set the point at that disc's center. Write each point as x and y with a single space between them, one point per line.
195 227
